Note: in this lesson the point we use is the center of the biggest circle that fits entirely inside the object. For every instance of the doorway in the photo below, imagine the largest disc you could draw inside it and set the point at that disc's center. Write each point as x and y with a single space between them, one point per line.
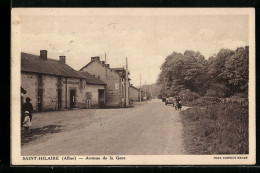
59 99
40 100
101 98
72 98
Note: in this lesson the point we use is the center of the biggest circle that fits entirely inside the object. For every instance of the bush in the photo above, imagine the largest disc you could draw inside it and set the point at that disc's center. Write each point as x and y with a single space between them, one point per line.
217 129
188 96
216 90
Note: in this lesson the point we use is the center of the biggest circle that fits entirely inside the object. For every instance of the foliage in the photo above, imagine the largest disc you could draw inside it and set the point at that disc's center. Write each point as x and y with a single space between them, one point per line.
216 129
180 72
222 75
188 96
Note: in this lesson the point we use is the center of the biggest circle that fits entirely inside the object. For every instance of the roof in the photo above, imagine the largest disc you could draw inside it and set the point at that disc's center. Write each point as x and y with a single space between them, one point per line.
103 65
115 70
33 63
118 69
91 79
134 87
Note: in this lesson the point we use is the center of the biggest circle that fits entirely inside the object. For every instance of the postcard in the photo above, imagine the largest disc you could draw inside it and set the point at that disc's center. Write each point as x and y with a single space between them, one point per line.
133 86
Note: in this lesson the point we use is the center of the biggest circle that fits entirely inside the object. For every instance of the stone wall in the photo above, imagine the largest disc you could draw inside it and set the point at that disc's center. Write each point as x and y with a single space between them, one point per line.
72 84
50 87
29 82
50 92
93 90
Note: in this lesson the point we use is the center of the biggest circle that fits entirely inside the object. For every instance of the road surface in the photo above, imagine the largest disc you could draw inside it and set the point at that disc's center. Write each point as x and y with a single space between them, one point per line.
150 128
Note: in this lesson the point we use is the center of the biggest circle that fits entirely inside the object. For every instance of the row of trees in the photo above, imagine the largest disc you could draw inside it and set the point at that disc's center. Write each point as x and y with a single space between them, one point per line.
222 75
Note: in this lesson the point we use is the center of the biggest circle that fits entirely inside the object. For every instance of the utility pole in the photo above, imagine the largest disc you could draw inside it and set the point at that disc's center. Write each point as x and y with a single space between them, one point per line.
127 86
149 92
106 63
145 90
140 88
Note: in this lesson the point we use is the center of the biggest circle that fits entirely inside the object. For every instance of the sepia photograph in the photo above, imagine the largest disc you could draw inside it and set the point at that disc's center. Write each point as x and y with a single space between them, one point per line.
133 86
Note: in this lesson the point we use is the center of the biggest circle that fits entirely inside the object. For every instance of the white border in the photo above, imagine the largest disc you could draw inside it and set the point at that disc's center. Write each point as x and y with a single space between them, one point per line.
17 159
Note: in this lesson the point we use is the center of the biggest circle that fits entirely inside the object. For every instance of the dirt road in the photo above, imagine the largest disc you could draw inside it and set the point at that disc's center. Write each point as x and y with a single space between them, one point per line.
150 128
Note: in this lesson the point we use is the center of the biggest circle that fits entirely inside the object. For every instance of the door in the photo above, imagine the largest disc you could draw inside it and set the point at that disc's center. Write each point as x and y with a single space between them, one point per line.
39 100
59 99
72 98
88 100
101 98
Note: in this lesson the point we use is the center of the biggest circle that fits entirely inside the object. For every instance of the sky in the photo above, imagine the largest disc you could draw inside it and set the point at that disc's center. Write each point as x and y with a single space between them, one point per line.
144 40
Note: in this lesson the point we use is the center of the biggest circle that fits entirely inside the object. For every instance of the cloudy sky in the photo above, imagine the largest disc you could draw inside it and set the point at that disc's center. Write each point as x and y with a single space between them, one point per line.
145 40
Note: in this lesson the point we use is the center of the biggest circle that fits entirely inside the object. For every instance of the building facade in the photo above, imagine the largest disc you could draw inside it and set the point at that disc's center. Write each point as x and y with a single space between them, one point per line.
53 85
134 94
114 78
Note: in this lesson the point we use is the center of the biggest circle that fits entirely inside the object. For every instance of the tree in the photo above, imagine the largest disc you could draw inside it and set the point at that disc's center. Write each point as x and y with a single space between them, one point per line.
222 75
236 70
180 71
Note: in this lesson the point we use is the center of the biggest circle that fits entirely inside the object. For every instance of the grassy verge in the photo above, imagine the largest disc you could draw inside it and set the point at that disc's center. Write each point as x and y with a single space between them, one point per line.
216 129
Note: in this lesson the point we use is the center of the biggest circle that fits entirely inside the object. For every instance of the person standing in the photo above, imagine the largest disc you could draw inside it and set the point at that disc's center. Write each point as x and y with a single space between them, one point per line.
178 99
27 106
175 103
27 122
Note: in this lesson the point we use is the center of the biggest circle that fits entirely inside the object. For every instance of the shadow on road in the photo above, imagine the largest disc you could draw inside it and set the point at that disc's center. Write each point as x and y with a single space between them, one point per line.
38 132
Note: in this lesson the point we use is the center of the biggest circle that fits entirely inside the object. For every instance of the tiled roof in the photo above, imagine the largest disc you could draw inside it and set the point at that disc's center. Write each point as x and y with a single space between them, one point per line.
118 69
115 70
134 87
101 65
91 79
33 63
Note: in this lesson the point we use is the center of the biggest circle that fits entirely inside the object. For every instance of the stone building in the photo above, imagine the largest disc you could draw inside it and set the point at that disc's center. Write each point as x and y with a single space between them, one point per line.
134 93
113 77
53 85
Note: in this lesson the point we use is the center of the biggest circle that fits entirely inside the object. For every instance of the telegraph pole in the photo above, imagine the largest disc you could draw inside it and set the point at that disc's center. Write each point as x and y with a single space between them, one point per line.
145 90
140 88
149 92
106 63
127 86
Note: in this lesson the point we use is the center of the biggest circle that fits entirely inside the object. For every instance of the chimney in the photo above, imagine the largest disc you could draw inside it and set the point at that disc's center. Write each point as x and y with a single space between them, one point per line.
108 65
95 58
63 59
43 54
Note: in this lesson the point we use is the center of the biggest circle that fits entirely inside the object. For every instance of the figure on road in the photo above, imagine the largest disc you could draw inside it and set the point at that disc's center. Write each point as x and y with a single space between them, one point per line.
175 103
27 121
179 106
27 106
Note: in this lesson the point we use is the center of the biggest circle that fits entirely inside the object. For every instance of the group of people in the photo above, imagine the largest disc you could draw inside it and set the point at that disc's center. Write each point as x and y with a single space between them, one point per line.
26 115
177 103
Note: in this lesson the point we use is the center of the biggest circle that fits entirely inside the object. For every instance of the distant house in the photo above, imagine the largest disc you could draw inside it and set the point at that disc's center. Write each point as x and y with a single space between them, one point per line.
53 85
134 93
114 78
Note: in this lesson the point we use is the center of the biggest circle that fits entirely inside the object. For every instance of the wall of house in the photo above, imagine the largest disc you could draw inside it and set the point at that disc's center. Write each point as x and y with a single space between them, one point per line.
72 84
29 81
93 89
122 86
134 94
50 92
113 81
